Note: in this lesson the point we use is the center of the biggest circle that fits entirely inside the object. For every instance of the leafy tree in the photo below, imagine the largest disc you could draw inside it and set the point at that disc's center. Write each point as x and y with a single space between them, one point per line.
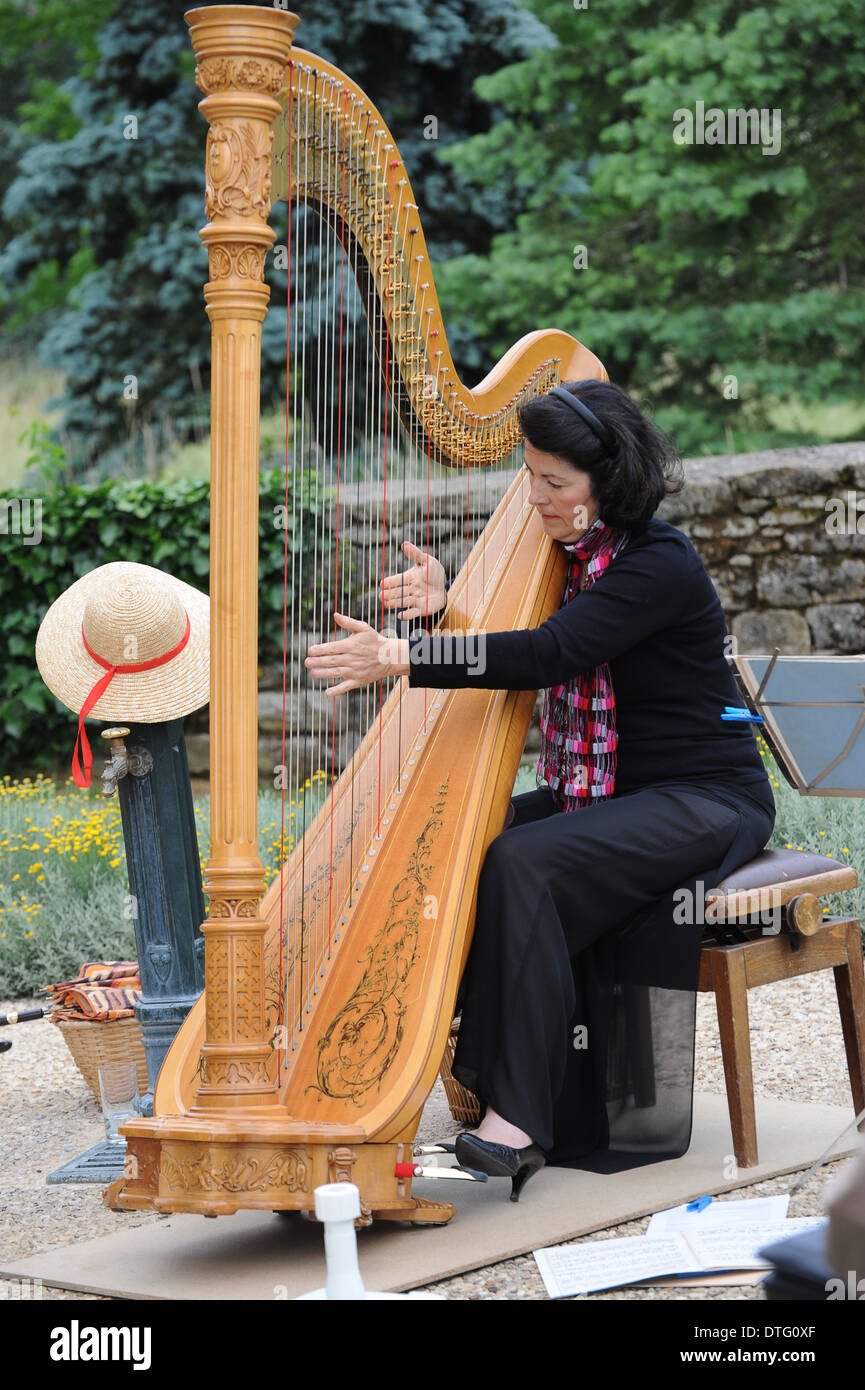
710 269
40 45
111 211
106 215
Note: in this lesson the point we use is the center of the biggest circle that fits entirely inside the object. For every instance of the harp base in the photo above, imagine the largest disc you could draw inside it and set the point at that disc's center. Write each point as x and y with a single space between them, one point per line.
217 1175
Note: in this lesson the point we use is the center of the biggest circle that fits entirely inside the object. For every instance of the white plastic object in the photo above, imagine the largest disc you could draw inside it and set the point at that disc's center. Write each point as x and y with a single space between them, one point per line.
337 1204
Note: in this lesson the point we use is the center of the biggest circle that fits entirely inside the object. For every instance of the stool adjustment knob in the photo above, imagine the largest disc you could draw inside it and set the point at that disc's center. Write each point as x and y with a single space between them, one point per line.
804 913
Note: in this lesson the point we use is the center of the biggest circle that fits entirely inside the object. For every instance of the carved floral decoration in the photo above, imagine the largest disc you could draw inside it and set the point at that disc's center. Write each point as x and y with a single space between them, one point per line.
364 1037
239 74
244 1170
233 907
244 261
238 170
222 1073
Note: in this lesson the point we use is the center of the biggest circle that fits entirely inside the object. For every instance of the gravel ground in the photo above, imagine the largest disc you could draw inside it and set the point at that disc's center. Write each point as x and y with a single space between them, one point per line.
50 1116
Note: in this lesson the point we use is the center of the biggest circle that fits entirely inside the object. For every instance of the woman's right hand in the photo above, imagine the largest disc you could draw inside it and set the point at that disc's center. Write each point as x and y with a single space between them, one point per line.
420 590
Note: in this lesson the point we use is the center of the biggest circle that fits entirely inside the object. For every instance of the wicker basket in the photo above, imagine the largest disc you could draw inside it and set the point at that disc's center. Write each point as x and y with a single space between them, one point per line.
465 1107
94 1045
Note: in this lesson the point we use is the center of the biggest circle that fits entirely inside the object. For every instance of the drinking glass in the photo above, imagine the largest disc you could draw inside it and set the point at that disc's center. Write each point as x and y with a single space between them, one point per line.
118 1087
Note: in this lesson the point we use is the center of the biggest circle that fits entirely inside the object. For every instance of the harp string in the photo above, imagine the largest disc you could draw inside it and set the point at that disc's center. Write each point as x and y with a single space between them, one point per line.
337 586
299 419
327 340
283 777
404 211
308 933
349 859
319 456
338 163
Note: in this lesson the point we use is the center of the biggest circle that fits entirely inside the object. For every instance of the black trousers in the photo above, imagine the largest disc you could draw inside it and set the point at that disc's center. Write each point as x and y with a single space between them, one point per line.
578 999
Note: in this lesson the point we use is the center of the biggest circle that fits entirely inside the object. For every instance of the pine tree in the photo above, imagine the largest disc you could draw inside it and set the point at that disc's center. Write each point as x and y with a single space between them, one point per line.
109 212
718 278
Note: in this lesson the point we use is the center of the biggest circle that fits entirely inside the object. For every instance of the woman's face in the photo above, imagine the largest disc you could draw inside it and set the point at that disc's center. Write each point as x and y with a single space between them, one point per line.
561 495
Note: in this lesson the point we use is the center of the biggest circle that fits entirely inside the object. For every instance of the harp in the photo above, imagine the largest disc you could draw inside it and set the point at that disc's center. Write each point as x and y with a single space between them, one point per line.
329 997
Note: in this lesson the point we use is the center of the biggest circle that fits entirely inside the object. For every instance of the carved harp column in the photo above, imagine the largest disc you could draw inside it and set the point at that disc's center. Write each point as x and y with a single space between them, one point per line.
242 52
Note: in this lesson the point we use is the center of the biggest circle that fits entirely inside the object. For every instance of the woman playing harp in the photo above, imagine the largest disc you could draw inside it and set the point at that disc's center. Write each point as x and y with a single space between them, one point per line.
576 929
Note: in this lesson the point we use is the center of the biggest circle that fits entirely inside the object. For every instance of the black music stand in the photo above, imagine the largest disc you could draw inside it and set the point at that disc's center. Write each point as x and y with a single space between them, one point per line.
813 710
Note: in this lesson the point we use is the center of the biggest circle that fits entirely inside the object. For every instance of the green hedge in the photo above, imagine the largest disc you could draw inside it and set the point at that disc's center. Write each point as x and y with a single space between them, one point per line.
165 524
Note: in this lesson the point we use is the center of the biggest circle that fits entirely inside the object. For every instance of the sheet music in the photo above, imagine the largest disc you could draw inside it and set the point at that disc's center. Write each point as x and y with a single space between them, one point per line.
736 1247
604 1264
742 1212
568 1270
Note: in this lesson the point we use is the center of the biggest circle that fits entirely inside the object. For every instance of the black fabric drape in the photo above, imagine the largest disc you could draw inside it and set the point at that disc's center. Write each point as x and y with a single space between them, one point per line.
575 931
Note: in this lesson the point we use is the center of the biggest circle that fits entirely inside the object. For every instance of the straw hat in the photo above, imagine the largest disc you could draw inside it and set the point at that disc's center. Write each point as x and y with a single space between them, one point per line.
127 642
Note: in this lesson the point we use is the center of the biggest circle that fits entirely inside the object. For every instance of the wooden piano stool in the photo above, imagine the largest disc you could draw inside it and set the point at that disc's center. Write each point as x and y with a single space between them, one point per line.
784 887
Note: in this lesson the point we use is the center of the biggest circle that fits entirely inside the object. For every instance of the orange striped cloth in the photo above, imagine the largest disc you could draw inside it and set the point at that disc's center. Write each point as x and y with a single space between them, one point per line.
103 990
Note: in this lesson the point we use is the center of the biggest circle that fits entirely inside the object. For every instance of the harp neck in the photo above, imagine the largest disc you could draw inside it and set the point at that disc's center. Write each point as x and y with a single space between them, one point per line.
333 151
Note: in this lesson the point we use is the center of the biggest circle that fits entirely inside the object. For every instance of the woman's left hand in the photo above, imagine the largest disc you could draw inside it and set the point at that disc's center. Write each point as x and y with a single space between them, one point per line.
357 660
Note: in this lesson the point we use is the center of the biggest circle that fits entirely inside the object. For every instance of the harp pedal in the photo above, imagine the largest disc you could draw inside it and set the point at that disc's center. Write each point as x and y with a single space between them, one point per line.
428 1170
420 1211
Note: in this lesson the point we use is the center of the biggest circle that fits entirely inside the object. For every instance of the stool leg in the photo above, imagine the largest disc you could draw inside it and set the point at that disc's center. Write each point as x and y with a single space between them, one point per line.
731 999
850 988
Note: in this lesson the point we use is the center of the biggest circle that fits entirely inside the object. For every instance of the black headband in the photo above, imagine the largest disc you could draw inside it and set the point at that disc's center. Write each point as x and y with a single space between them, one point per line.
599 430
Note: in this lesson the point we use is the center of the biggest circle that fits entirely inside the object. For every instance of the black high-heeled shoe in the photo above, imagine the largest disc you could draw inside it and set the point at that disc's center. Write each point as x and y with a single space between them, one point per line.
499 1160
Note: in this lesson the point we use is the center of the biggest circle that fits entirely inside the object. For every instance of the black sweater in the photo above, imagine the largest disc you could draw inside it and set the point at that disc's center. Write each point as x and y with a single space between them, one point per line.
655 617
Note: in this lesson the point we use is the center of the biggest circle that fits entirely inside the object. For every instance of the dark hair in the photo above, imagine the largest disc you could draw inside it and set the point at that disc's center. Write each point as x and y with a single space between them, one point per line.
630 480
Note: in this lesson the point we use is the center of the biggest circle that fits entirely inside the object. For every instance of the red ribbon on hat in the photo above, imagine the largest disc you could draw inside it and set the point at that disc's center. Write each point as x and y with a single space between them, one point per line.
82 778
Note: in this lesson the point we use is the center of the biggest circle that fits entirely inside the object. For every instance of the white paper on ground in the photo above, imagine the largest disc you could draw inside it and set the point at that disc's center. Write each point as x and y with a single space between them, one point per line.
568 1270
603 1264
737 1248
735 1213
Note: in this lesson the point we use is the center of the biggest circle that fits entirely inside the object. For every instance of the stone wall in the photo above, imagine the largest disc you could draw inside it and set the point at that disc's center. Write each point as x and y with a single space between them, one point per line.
776 531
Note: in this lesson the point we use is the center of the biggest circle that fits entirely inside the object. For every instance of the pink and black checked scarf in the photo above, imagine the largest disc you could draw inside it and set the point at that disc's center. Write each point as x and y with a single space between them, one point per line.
578 723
